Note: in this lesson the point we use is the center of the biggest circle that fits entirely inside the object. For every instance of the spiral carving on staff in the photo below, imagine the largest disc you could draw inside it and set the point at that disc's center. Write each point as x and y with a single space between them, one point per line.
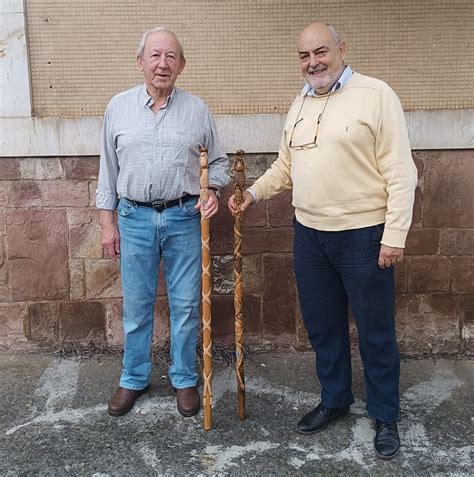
239 184
206 291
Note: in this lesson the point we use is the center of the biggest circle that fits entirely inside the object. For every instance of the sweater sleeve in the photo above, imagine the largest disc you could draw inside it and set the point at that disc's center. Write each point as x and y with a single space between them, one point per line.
278 177
395 164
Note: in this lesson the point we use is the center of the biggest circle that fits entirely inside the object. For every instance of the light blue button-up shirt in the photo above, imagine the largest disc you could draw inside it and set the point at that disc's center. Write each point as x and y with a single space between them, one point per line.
147 156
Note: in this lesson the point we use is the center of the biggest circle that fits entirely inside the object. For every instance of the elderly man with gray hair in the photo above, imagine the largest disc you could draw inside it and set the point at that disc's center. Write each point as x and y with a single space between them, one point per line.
149 174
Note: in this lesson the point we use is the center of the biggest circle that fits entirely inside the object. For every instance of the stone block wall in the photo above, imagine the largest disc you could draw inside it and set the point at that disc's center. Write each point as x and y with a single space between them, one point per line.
56 285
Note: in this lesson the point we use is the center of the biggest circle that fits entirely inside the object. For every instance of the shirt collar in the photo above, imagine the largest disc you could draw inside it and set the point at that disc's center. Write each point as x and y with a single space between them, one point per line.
147 100
346 75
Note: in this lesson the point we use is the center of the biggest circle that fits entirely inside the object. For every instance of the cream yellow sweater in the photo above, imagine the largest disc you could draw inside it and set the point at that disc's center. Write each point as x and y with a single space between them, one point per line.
361 173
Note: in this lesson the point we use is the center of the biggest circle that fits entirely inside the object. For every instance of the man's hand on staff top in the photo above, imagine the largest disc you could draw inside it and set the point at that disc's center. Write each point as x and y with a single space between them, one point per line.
232 206
211 206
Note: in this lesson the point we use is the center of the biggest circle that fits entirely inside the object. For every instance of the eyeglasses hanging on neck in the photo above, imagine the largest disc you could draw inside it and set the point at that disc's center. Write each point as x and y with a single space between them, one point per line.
313 143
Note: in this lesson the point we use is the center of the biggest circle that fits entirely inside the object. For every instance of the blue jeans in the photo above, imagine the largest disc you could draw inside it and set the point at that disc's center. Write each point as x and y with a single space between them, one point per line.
146 236
334 270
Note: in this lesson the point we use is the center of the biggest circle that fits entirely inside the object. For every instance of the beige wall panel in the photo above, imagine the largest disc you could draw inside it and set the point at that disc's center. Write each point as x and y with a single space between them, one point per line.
241 54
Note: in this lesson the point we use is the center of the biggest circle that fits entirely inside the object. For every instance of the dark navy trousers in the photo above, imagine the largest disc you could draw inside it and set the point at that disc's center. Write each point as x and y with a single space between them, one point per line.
335 270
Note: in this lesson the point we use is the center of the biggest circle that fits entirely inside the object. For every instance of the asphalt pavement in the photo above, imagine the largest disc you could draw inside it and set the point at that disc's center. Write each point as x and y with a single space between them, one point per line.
54 422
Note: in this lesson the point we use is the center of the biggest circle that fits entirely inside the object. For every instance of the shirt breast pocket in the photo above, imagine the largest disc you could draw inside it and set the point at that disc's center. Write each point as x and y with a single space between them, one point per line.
180 144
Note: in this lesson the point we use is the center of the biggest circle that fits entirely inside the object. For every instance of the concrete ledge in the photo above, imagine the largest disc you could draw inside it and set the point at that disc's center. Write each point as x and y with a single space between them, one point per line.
78 136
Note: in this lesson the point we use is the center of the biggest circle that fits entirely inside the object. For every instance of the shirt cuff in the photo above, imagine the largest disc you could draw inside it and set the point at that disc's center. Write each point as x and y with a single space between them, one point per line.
105 201
254 195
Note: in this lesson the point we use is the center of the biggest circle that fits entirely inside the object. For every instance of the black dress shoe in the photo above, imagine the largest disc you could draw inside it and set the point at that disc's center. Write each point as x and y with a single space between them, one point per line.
387 440
319 418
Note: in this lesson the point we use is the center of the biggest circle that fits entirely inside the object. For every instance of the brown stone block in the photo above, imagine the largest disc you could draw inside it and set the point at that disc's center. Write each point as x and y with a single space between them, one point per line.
161 327
161 281
223 274
2 221
280 210
448 189
92 189
222 312
2 256
43 322
9 169
263 240
67 193
5 293
223 317
81 167
5 192
255 216
13 320
457 242
422 242
427 324
76 278
353 334
3 263
419 158
84 233
444 304
467 336
279 297
429 273
466 306
113 322
251 314
81 321
37 254
251 274
40 169
103 279
401 277
416 221
462 274
222 233
25 194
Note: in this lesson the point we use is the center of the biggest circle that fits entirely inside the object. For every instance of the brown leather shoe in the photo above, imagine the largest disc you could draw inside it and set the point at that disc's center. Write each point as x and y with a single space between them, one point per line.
123 400
188 401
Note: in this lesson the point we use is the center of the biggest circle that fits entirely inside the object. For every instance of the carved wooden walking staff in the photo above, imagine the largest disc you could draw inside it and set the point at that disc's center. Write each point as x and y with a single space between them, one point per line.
206 292
239 183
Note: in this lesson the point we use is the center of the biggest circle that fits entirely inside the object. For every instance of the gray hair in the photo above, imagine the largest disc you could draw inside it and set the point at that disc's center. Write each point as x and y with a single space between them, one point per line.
334 34
141 46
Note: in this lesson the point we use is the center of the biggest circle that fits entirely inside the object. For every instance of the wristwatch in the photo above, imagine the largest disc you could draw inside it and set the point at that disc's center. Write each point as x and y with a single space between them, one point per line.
216 191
